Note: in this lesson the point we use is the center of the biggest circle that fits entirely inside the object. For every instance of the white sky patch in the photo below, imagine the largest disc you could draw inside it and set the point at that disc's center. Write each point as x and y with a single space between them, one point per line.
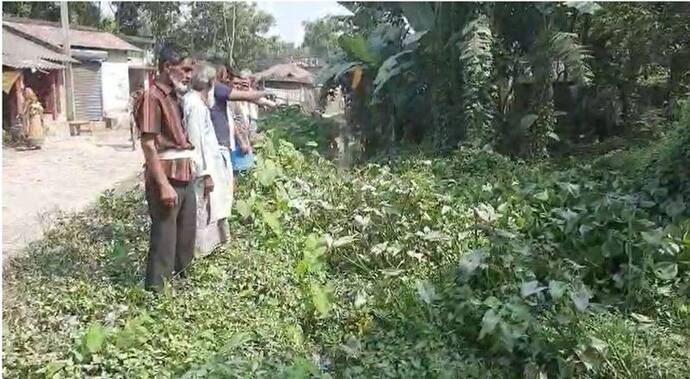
290 15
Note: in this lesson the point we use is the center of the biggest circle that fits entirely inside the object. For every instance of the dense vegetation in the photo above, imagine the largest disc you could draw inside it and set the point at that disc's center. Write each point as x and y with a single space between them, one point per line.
518 207
528 79
468 265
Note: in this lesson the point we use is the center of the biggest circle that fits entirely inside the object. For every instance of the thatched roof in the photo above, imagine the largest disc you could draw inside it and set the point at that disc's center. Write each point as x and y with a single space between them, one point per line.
287 72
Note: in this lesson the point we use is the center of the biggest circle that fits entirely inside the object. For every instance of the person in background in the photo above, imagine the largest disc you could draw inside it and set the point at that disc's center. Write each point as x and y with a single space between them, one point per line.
32 117
254 108
242 156
131 103
168 154
223 117
212 170
251 110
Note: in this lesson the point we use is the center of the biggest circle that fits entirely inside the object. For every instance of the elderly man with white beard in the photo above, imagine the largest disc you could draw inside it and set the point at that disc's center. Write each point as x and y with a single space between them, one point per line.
169 182
210 163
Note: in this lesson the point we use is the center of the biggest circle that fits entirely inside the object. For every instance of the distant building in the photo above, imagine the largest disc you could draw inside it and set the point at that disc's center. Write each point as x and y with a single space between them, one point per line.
291 84
28 63
102 75
141 66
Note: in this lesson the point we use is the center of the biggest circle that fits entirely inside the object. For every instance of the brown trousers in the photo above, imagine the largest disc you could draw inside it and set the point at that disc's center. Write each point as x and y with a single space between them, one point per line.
173 232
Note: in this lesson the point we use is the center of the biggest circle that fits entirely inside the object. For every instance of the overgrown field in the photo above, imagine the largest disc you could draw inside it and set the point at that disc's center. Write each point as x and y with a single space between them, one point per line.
471 265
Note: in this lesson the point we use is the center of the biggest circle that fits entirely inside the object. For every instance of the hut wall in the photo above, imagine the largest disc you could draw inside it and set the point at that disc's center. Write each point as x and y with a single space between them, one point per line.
292 93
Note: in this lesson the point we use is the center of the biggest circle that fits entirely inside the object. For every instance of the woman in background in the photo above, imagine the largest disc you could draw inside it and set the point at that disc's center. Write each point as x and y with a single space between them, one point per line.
32 115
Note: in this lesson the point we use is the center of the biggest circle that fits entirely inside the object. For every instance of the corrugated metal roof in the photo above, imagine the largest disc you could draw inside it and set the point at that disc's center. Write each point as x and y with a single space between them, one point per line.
36 63
20 52
78 38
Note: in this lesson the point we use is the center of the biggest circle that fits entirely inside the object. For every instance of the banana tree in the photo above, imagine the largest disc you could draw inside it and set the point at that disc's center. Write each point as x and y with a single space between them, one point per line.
374 70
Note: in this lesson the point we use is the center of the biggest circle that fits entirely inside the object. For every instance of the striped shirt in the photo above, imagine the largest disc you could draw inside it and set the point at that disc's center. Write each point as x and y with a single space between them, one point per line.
158 112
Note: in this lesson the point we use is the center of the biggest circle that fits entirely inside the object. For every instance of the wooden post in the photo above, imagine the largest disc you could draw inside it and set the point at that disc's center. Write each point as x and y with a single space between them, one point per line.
53 93
66 49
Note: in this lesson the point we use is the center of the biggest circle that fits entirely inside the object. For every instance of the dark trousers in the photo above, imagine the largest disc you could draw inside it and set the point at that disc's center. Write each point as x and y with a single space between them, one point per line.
173 233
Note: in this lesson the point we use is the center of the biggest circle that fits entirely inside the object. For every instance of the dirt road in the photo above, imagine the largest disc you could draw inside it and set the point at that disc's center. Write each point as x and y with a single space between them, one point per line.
67 174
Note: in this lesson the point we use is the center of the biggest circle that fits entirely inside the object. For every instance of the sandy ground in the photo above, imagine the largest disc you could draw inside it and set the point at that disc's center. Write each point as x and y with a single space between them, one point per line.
67 174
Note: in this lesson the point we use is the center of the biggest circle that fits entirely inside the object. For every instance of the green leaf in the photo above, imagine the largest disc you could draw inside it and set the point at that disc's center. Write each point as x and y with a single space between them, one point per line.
412 39
94 338
597 344
666 270
362 221
391 67
434 235
557 289
543 195
303 266
470 262
335 71
320 296
302 368
134 333
244 209
357 47
361 299
653 237
272 219
296 335
642 319
236 341
52 368
489 323
267 173
486 213
420 15
426 291
675 207
580 297
584 7
527 121
530 288
344 241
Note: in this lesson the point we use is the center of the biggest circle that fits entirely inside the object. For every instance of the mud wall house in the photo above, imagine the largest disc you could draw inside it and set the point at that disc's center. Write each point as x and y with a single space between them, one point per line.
26 62
101 76
291 84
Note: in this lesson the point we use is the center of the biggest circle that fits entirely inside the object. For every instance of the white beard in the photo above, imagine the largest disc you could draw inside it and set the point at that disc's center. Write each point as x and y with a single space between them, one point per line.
180 88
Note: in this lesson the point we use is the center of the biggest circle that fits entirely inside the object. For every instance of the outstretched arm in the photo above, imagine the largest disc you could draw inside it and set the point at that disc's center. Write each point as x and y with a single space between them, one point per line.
253 96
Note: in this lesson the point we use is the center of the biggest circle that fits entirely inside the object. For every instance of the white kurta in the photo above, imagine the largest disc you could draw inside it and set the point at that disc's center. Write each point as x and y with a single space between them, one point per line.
208 160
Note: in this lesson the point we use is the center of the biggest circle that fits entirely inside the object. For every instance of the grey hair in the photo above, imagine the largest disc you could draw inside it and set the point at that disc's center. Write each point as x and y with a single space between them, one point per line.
203 76
245 73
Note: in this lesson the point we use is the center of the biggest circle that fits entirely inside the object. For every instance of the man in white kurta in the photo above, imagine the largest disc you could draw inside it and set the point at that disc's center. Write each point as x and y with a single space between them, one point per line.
213 208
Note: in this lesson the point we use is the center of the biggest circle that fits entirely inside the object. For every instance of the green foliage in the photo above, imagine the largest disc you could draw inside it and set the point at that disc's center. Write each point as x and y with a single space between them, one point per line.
470 265
86 13
475 56
321 35
585 70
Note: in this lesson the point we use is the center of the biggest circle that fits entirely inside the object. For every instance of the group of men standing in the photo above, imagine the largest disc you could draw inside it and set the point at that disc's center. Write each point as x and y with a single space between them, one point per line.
195 123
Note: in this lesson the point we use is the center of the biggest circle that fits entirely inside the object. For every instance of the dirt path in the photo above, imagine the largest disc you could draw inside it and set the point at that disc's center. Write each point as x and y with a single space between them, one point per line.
67 174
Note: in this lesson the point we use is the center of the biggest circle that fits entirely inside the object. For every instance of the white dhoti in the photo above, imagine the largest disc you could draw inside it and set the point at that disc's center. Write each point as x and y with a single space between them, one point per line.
210 160
213 211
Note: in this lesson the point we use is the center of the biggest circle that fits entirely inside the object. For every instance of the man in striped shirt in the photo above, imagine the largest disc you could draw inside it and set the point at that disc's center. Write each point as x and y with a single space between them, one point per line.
168 155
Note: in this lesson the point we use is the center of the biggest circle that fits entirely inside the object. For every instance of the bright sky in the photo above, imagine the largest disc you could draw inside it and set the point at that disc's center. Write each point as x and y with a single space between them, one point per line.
289 16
